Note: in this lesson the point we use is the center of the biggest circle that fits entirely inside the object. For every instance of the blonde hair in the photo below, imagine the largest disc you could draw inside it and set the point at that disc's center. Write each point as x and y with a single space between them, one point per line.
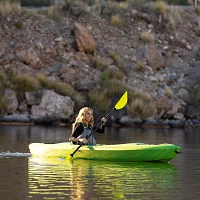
81 116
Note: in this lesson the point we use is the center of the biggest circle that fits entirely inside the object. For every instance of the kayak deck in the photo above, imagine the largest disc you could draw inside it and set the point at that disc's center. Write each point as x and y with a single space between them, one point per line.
130 152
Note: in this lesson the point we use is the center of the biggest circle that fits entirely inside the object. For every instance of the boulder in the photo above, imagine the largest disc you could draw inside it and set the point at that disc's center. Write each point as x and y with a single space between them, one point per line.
84 40
53 106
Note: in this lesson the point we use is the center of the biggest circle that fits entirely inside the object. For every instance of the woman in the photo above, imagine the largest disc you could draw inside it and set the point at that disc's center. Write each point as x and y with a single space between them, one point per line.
83 126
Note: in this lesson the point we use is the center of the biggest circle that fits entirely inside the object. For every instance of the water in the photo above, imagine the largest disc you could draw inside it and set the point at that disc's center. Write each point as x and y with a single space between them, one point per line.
23 177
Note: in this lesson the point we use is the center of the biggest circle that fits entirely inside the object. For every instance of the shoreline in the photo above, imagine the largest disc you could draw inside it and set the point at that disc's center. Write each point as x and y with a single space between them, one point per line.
185 126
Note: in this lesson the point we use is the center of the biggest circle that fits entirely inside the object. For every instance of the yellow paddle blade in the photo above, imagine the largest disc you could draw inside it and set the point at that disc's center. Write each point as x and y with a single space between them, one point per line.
122 102
69 158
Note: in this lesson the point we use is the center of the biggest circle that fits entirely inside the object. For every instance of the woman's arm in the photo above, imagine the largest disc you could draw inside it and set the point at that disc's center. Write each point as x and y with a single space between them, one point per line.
102 127
76 132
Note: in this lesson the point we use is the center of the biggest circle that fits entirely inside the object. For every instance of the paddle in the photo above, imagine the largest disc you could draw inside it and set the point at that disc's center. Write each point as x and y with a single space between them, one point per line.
120 104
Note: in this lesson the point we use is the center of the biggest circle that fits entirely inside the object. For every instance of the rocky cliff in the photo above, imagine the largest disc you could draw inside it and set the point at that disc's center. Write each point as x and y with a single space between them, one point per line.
100 51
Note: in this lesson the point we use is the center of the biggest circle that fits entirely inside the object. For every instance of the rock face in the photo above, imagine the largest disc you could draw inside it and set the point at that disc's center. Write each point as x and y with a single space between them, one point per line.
40 107
84 40
81 47
53 105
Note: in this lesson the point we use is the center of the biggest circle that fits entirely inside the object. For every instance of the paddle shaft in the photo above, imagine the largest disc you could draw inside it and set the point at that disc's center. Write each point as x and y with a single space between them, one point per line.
93 132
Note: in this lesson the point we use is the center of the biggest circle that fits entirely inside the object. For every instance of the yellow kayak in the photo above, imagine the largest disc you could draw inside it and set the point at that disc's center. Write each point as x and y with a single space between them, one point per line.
130 152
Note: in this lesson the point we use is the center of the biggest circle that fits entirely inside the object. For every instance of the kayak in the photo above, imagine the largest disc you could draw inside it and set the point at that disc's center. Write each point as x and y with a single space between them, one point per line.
129 152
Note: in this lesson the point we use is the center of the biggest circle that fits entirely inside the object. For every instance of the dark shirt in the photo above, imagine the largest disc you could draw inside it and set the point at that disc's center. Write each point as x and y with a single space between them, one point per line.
78 130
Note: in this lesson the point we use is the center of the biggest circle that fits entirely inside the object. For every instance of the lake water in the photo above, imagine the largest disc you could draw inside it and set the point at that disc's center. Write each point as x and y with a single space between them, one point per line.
23 177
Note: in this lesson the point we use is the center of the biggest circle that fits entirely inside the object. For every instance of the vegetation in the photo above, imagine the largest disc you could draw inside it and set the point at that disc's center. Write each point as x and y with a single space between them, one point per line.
98 63
61 88
139 66
112 86
147 37
19 25
116 20
194 91
9 6
26 83
141 105
160 7
171 14
168 92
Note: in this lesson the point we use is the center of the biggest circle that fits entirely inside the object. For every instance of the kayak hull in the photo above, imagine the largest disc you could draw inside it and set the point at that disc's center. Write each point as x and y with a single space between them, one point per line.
130 152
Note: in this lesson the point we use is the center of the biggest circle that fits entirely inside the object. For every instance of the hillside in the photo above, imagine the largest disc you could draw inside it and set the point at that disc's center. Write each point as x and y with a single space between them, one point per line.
92 54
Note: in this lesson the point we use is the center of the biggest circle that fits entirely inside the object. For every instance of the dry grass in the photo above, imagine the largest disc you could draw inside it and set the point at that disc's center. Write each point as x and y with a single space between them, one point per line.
197 11
44 81
9 7
141 105
3 104
61 88
147 37
113 80
139 66
168 92
19 25
198 29
160 6
51 12
98 63
123 5
26 83
99 100
116 58
171 14
115 20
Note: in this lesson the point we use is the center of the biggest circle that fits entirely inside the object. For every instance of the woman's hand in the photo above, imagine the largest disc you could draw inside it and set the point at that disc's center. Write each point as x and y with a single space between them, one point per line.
103 121
83 140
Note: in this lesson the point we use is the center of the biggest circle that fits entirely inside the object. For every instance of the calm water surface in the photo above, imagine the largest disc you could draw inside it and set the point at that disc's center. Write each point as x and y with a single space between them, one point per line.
23 177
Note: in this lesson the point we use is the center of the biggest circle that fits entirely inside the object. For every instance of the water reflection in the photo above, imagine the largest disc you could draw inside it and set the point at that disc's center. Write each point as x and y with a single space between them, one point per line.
90 180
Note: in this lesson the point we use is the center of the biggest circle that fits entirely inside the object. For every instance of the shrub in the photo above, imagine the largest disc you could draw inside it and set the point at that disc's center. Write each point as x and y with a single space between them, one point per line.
19 25
99 100
98 63
123 6
160 6
52 12
169 92
141 105
147 37
44 81
116 20
116 58
113 81
194 91
3 104
198 32
170 13
9 6
197 11
139 66
26 83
